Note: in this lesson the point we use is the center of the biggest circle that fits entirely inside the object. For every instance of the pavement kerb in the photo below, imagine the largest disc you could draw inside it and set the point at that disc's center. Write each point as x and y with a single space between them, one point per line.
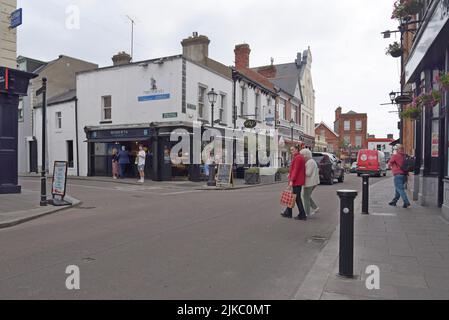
33 214
315 282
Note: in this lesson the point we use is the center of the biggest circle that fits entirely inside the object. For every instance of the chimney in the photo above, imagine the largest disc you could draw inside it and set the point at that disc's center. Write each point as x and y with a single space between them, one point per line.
121 58
242 52
338 113
298 60
196 48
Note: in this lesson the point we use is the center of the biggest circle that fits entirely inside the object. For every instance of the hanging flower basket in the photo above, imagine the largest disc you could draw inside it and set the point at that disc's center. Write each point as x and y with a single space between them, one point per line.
412 113
406 8
443 80
428 100
395 50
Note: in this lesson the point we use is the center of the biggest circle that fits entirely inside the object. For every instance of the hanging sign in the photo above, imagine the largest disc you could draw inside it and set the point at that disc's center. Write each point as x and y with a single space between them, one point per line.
250 124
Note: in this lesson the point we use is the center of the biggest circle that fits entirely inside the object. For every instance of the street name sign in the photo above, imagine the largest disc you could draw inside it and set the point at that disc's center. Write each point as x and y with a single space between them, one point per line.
16 18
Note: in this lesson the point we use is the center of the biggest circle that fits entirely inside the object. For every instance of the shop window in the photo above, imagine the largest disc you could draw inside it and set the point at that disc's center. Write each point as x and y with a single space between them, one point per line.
106 108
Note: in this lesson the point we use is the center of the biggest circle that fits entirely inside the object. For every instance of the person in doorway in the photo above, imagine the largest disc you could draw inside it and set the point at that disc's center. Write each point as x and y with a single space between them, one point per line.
400 177
123 161
141 160
297 179
115 165
312 181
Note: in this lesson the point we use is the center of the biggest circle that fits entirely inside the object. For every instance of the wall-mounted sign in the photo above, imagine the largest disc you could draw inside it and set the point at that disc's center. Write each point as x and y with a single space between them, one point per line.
59 179
16 18
191 106
170 115
250 124
119 133
154 97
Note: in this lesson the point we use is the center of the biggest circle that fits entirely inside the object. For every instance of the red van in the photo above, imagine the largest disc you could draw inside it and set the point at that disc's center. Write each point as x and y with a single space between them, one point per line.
371 162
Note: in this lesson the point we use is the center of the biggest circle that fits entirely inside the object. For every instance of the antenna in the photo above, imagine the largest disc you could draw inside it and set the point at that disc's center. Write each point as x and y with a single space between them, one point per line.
132 36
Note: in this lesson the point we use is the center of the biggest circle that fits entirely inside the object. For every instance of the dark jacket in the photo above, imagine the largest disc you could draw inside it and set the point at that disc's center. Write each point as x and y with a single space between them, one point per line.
123 157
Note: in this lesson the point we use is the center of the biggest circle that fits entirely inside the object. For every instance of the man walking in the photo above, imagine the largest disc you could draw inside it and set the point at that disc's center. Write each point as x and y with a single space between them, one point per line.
123 161
297 180
400 177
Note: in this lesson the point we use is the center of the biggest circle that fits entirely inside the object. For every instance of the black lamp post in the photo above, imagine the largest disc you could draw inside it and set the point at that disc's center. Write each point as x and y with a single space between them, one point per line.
212 96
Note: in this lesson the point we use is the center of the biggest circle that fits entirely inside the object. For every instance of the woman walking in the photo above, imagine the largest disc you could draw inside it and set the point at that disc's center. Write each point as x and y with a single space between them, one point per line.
115 166
312 180
297 179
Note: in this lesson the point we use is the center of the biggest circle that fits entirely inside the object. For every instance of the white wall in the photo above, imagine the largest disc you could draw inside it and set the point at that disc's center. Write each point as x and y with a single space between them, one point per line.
57 138
8 37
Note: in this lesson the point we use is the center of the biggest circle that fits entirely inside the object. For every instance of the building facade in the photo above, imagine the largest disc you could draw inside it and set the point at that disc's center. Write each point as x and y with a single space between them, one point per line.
352 129
8 37
381 144
331 137
427 61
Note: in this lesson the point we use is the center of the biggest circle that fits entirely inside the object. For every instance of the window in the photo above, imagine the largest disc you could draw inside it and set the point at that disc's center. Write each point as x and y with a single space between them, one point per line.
347 125
347 140
282 110
21 110
58 119
358 141
107 108
302 120
294 108
243 102
70 153
258 107
323 133
222 107
201 102
358 125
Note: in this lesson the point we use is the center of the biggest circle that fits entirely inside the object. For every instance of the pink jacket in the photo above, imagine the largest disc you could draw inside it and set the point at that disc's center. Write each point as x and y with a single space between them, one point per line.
396 163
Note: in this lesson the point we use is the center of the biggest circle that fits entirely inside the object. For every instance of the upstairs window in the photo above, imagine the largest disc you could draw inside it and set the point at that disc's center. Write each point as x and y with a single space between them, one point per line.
201 102
222 107
106 108
58 120
258 108
347 125
358 125
243 108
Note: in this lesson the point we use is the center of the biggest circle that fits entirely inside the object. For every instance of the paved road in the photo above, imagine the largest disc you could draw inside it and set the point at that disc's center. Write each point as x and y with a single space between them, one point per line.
133 242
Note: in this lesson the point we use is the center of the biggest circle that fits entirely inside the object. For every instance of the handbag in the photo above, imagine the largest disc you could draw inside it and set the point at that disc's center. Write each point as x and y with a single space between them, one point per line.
288 199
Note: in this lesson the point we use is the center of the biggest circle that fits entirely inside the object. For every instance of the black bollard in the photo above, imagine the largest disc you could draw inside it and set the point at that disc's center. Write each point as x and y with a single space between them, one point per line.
212 182
365 196
347 198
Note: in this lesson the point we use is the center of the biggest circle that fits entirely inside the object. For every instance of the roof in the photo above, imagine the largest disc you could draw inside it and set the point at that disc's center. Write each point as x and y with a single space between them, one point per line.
287 76
328 128
257 78
59 58
65 97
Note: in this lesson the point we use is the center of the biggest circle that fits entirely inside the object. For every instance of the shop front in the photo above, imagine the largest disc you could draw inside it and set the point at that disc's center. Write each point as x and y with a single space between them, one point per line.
427 62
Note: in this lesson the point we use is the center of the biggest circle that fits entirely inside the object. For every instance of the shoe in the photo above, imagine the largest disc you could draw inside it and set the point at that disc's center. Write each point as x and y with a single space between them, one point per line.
406 205
286 216
393 204
300 218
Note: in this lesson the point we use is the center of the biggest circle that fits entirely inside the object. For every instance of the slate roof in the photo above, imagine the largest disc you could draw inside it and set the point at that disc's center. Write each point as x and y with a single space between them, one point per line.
65 97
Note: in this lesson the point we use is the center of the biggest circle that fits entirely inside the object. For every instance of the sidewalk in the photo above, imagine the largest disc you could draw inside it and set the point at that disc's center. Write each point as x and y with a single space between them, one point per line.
410 247
19 208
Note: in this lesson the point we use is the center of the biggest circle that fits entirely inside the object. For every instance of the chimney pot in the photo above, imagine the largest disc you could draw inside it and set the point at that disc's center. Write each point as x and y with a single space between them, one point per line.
121 58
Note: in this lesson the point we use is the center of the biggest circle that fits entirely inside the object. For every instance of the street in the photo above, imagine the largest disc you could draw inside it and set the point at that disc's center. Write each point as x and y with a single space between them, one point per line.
140 242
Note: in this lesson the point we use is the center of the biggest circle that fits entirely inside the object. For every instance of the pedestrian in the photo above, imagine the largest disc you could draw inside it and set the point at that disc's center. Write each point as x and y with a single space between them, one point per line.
400 177
141 163
115 166
297 179
123 161
312 181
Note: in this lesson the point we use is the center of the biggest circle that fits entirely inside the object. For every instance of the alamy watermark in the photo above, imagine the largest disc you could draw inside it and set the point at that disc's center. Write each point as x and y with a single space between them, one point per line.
373 280
73 17
73 281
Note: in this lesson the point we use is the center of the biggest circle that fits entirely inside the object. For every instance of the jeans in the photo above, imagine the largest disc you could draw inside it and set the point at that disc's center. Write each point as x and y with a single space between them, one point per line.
399 184
302 212
308 201
122 170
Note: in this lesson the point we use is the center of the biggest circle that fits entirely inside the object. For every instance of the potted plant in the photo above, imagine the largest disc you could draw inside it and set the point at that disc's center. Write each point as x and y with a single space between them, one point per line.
395 50
428 100
443 80
406 8
412 113
252 176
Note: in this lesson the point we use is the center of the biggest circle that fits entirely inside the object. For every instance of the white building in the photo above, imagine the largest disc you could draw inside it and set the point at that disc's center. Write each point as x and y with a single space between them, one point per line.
383 145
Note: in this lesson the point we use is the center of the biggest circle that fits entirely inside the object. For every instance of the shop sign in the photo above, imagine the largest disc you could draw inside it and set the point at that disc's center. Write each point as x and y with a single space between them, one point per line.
59 179
120 133
191 106
250 124
225 177
170 115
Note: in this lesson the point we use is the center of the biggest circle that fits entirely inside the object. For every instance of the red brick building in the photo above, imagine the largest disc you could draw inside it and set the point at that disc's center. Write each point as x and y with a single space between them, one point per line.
332 138
352 128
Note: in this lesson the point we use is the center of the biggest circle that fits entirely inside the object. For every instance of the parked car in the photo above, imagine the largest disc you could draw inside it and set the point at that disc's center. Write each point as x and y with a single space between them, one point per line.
371 162
330 167
354 168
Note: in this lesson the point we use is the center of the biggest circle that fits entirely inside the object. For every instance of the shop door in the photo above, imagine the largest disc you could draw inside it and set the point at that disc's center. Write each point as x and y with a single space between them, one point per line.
33 156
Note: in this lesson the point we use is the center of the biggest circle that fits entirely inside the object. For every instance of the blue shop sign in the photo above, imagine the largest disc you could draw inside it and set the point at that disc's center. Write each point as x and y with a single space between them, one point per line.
154 97
16 18
120 134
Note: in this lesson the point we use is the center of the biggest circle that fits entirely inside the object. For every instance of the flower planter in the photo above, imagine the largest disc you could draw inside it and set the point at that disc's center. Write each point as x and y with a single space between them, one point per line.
396 53
252 178
268 179
278 177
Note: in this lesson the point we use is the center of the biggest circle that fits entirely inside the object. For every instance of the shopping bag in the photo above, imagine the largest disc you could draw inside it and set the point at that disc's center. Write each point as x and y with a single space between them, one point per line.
288 199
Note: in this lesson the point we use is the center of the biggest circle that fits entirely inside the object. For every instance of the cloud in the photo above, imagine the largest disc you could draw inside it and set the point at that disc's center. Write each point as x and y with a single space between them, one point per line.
350 67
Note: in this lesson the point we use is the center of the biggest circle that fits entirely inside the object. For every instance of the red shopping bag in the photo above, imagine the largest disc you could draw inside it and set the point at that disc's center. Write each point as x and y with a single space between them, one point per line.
288 199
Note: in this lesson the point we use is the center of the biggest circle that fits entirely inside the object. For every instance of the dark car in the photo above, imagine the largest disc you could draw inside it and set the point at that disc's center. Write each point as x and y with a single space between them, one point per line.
330 167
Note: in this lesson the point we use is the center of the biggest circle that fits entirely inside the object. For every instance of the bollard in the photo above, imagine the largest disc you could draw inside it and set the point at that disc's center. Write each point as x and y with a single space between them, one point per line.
347 198
365 196
212 182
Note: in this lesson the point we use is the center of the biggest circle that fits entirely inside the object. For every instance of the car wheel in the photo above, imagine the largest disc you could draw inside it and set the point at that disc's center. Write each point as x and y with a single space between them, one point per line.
332 179
342 178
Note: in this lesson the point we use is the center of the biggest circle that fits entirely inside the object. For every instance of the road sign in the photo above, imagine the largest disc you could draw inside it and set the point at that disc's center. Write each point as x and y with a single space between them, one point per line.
16 18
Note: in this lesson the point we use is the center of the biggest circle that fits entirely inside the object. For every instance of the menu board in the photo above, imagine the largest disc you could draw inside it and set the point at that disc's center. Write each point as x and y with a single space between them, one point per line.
59 179
225 176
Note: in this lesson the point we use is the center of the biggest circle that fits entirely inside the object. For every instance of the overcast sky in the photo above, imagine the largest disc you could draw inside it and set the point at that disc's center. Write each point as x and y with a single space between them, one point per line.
350 67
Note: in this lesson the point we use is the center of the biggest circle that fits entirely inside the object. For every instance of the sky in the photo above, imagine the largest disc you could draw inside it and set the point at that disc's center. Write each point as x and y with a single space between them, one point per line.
350 68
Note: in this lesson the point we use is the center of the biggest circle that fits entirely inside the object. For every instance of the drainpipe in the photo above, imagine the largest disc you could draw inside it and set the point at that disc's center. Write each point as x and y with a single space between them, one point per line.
77 139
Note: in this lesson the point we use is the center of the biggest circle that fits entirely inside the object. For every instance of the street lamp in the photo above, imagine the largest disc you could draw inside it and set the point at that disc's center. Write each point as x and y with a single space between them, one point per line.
212 96
292 126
